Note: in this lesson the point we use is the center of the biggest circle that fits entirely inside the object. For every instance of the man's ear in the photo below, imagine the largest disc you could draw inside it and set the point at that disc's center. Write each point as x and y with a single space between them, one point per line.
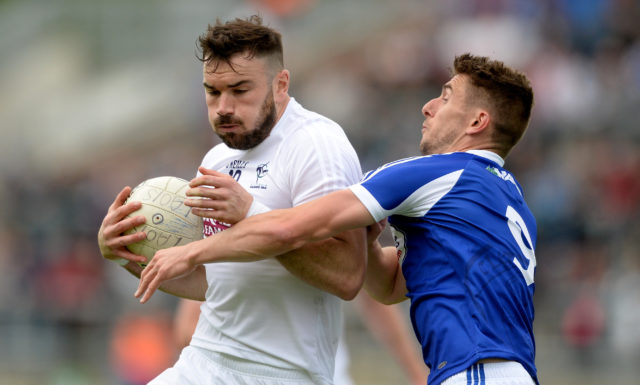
479 122
281 83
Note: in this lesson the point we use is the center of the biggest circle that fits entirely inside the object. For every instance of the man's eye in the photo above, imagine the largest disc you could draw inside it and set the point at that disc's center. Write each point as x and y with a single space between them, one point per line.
213 92
238 92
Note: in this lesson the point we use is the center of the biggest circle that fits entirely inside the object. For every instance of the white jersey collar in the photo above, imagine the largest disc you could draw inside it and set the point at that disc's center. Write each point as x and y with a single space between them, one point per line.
492 156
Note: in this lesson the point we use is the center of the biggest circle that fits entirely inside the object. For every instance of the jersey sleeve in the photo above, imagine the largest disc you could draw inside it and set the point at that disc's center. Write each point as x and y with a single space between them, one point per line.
408 187
320 160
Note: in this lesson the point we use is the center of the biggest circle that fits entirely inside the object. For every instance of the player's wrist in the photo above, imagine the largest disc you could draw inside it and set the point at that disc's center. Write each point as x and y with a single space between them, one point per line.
257 208
198 252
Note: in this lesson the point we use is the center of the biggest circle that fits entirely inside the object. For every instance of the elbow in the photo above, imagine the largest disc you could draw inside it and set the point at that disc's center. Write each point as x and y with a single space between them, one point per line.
352 284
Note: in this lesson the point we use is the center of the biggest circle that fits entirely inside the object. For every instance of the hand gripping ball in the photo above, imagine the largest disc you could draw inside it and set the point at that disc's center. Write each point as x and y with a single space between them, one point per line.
169 222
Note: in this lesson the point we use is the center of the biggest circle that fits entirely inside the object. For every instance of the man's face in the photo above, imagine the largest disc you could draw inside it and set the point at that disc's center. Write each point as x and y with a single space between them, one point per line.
446 117
240 103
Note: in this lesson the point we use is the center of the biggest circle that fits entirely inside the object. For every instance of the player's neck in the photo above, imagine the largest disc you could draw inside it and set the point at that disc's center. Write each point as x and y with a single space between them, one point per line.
281 106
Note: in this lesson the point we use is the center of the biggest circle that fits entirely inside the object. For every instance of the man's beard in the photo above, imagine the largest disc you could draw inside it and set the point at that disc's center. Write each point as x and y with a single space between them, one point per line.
264 125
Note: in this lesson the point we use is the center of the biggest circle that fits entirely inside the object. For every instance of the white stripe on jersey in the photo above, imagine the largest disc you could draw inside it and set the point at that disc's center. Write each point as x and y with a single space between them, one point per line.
420 202
417 204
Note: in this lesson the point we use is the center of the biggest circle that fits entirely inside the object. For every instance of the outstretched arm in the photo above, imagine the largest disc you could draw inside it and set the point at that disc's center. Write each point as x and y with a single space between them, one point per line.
262 236
336 265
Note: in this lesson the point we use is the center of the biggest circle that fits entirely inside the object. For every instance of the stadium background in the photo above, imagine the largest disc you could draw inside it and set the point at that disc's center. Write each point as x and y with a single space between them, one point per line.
98 95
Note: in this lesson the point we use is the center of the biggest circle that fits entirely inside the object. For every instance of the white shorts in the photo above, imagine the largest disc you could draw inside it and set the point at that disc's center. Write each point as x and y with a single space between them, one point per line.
494 373
197 366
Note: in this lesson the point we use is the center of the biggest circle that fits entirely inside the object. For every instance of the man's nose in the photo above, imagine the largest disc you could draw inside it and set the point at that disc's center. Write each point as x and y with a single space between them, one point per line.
225 105
429 109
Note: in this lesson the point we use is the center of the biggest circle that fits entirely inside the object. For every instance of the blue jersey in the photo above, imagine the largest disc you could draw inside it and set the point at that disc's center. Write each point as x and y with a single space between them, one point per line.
465 238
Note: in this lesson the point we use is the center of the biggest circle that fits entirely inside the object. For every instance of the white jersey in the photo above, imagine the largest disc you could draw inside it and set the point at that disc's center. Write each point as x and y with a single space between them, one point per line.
259 311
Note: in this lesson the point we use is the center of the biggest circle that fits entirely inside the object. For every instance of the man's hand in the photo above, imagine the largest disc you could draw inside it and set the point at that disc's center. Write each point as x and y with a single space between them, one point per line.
226 200
165 265
374 231
111 239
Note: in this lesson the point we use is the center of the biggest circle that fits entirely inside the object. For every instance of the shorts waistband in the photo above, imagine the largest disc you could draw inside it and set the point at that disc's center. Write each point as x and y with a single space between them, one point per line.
250 367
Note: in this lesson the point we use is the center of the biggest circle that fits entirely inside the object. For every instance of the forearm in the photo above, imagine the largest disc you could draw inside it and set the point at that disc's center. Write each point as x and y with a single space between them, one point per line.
336 265
262 236
384 280
280 231
185 321
192 286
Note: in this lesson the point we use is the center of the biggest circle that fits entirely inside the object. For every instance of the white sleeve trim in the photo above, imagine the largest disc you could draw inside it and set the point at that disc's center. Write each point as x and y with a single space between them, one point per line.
372 205
257 208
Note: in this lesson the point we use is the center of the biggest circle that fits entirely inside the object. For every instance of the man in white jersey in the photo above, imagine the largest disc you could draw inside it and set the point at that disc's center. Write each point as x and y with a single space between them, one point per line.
465 237
278 320
385 322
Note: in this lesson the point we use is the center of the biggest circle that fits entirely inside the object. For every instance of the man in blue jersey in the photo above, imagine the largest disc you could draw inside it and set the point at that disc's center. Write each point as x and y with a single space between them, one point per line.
465 237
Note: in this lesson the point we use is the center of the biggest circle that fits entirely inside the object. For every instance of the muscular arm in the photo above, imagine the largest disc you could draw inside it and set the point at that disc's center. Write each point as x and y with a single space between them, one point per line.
384 280
335 265
262 236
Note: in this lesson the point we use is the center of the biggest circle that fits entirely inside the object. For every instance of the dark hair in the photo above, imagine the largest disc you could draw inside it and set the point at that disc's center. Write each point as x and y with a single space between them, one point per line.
240 36
506 92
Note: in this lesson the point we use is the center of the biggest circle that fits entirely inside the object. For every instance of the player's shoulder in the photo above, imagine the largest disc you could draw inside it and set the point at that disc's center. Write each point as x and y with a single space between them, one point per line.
436 163
304 124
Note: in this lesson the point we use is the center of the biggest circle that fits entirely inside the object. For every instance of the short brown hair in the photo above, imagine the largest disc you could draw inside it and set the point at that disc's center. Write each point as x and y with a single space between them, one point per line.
240 36
507 92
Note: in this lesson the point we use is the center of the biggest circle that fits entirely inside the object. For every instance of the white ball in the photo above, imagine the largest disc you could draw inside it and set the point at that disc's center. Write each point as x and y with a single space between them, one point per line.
169 221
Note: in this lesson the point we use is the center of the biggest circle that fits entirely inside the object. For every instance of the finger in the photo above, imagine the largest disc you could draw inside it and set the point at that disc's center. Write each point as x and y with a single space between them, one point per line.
124 225
128 255
151 289
144 276
208 213
206 171
125 240
121 197
117 213
219 180
204 192
214 204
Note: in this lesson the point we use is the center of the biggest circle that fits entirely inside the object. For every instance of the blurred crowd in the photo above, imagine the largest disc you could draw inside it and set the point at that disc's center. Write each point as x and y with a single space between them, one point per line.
579 165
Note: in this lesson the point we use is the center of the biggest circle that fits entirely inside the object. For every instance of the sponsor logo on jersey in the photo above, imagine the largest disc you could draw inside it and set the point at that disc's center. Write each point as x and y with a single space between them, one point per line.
261 171
400 240
212 226
503 175
237 164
